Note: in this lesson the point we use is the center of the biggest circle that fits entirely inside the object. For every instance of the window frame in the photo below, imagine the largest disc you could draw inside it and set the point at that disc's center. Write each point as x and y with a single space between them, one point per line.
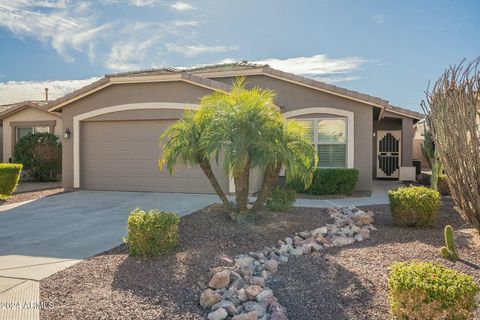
33 127
316 142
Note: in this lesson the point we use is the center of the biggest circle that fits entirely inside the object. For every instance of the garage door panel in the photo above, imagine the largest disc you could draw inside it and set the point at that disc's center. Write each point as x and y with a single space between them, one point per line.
148 184
123 155
132 168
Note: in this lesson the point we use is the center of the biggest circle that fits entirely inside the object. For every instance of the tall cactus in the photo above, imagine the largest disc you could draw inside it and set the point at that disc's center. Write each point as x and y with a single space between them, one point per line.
449 252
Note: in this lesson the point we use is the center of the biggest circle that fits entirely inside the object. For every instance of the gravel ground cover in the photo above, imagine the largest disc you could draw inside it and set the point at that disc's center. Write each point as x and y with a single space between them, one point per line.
32 195
340 283
351 282
113 285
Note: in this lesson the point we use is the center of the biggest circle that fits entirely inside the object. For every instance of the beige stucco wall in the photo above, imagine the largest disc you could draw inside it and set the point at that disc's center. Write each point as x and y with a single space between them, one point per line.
291 96
26 115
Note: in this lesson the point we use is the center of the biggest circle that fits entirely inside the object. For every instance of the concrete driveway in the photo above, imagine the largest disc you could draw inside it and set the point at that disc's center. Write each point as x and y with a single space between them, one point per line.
44 236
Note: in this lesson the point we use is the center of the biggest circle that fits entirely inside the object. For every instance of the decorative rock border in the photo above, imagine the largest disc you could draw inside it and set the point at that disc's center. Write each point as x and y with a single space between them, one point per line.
241 292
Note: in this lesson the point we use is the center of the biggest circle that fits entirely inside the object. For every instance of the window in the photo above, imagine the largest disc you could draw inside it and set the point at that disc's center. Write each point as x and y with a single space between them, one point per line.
329 136
23 131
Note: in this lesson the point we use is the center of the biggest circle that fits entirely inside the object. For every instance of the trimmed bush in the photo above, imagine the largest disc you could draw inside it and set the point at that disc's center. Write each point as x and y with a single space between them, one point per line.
425 290
41 155
329 181
281 199
414 206
152 233
9 176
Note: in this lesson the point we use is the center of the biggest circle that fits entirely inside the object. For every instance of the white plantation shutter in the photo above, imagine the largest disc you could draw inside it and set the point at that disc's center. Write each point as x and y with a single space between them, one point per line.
329 136
331 155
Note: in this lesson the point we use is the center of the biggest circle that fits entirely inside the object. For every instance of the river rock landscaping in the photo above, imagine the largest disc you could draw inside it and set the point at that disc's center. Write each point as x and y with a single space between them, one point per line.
336 282
242 291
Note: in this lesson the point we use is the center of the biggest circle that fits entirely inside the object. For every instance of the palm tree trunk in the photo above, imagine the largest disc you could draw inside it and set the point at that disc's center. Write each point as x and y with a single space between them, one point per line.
270 179
207 170
241 180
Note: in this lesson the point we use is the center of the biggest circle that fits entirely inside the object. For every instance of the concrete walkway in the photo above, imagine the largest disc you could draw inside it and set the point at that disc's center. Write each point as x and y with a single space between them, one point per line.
40 237
379 196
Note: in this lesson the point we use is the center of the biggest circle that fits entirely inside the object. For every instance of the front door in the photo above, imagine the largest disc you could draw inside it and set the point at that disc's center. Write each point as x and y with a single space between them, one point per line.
388 153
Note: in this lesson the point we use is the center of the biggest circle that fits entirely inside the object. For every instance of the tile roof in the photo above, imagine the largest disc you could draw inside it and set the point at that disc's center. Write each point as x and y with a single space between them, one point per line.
325 86
190 74
407 112
13 107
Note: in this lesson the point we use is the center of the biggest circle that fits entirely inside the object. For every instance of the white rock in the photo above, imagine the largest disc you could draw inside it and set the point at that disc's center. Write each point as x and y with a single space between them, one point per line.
266 274
244 262
209 297
358 237
264 295
220 280
365 233
283 258
296 251
218 314
271 265
340 241
288 240
242 296
316 247
284 249
304 234
319 232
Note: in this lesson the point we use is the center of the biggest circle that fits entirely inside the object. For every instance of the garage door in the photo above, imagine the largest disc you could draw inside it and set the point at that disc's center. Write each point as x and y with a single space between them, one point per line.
123 155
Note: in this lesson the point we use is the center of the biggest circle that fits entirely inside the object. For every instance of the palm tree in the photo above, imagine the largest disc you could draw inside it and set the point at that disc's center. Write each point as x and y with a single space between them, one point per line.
245 129
242 127
181 142
292 150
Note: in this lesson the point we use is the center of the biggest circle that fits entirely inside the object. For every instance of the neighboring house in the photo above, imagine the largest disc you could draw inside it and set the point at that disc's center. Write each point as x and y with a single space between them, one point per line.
115 124
418 137
22 118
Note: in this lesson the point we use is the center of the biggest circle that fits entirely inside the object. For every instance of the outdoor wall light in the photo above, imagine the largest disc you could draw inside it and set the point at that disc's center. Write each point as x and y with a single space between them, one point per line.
67 134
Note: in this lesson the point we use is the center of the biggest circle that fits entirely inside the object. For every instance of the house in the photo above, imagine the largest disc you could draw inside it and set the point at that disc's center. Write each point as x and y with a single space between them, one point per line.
111 127
418 137
20 119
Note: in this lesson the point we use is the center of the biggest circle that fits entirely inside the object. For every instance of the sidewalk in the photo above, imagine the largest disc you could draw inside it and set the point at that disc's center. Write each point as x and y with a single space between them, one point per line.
379 196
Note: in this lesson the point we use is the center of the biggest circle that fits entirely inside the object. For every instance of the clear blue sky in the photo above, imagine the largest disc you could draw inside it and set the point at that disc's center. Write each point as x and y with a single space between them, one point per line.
390 49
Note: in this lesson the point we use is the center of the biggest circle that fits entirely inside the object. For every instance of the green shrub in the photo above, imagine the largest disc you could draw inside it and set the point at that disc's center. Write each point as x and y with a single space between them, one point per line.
414 206
152 233
9 176
424 290
329 181
281 199
41 155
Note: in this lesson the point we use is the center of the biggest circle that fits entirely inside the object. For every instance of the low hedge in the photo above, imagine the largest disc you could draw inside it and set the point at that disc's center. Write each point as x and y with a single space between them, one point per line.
9 176
414 206
281 199
425 290
328 181
152 233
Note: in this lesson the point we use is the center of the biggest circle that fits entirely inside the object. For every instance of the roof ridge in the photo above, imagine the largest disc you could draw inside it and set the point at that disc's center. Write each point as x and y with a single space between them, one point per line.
243 63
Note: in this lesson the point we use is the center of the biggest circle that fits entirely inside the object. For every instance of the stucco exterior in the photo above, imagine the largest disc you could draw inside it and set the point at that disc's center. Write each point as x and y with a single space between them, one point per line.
160 97
292 97
30 116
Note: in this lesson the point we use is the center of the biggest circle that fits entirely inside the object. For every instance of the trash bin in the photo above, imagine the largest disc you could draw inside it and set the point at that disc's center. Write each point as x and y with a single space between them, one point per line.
418 166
